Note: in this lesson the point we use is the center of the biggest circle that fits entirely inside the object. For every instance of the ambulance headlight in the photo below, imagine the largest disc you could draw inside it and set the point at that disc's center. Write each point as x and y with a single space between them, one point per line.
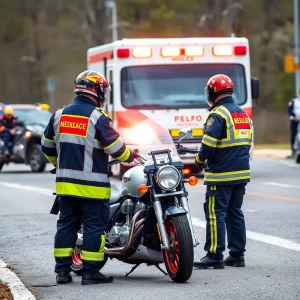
167 178
141 135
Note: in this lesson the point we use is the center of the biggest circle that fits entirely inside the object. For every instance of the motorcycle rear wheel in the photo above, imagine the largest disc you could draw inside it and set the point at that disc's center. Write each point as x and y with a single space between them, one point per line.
179 259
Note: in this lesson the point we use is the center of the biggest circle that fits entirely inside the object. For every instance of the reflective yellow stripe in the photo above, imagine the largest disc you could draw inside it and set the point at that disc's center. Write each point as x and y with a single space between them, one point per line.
198 159
112 144
80 190
233 144
125 155
212 139
215 221
226 179
92 256
208 144
95 256
49 140
63 252
210 224
102 245
51 159
228 173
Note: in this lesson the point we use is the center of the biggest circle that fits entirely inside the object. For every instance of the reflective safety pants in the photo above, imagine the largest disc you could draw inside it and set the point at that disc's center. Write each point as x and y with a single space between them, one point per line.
223 208
95 216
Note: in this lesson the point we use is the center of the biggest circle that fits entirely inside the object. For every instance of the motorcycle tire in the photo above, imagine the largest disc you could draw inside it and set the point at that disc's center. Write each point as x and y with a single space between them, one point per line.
1 166
37 159
179 259
76 266
298 159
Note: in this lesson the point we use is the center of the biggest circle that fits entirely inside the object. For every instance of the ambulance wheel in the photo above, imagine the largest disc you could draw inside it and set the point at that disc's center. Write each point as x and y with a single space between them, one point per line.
1 166
298 159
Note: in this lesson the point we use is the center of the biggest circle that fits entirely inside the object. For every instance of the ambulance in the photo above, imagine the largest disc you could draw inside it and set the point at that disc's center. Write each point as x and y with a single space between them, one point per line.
164 79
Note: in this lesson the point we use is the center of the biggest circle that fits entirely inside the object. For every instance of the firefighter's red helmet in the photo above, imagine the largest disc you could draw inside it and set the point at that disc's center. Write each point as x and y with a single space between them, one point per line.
217 85
93 83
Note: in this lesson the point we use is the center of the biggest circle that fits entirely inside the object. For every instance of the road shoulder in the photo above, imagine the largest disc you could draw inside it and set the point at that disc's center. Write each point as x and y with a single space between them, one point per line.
17 288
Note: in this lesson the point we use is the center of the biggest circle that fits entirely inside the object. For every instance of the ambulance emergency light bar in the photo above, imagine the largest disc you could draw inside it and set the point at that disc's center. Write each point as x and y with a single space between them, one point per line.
173 51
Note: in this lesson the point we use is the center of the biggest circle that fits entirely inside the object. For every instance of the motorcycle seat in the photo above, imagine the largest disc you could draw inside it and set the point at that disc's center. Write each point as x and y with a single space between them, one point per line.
115 194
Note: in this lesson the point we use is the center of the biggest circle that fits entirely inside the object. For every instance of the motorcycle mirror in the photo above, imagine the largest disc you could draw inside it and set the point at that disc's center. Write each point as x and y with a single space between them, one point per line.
185 130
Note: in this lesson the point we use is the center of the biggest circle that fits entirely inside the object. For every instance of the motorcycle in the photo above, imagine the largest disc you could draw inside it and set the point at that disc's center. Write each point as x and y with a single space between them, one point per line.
150 220
25 147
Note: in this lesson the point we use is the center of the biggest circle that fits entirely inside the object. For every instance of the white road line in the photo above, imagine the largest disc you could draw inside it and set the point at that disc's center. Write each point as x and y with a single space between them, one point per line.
29 188
289 164
268 239
265 238
17 288
284 185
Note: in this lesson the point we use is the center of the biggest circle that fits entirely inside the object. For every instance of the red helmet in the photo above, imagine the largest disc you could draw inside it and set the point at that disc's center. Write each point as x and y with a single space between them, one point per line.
93 83
217 85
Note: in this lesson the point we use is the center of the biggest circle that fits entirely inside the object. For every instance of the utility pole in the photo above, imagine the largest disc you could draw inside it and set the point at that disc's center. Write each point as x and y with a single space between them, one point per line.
229 17
113 5
296 40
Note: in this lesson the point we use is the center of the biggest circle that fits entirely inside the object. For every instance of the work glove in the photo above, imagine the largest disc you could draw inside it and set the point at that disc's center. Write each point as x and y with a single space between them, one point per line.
200 165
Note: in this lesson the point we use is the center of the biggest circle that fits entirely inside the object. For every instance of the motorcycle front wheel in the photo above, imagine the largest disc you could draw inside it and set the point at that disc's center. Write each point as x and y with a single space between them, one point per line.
179 259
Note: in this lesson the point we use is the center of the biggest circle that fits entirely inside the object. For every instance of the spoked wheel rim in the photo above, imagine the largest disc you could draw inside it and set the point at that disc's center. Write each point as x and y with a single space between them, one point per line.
172 256
76 258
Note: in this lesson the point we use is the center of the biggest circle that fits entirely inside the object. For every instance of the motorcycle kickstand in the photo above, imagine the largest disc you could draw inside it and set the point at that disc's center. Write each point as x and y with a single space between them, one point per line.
133 268
160 269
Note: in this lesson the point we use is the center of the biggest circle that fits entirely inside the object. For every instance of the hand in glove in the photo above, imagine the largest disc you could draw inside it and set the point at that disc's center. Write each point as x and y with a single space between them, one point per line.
200 165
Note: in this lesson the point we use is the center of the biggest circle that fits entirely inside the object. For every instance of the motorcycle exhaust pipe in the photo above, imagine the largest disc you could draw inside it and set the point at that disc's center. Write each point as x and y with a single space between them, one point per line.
134 226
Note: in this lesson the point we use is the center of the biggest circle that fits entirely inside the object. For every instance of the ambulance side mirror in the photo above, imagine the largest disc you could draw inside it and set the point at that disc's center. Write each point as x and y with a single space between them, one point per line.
111 100
255 88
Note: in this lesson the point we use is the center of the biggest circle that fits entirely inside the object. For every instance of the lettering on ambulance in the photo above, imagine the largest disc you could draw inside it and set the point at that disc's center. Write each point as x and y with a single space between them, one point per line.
185 120
73 125
183 58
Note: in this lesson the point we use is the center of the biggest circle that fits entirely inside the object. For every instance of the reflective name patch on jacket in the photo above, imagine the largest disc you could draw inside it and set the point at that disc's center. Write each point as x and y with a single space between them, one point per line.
240 120
73 125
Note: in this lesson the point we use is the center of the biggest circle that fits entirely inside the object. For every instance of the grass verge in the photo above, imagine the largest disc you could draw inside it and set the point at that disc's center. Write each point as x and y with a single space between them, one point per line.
5 292
272 146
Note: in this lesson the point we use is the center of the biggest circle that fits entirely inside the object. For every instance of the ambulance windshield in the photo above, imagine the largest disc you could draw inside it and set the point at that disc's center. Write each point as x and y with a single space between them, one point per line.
176 86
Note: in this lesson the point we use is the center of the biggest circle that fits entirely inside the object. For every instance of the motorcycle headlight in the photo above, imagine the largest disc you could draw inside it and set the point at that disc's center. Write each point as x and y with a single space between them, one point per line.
167 178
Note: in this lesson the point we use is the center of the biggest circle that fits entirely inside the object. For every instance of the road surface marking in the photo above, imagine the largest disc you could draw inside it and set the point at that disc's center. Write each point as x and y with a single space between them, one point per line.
29 188
17 288
264 195
260 237
284 185
273 240
289 164
273 196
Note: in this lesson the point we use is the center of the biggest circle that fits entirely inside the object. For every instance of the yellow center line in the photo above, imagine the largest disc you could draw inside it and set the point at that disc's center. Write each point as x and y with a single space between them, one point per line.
273 196
263 195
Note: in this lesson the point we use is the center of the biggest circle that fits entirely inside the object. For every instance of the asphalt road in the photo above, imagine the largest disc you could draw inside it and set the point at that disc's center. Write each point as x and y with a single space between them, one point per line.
271 207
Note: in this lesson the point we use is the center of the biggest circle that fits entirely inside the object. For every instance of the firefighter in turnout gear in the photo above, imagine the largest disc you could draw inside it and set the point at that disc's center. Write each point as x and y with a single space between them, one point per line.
224 153
78 140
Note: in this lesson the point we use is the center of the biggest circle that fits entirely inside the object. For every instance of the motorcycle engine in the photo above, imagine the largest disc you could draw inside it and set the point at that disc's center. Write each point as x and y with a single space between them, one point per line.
119 233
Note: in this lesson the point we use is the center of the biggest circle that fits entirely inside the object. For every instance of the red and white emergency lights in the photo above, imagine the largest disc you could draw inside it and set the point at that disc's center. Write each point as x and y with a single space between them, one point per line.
173 51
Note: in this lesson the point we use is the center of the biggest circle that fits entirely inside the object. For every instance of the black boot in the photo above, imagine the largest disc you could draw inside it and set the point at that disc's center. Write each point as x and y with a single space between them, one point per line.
63 277
96 278
207 262
235 261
